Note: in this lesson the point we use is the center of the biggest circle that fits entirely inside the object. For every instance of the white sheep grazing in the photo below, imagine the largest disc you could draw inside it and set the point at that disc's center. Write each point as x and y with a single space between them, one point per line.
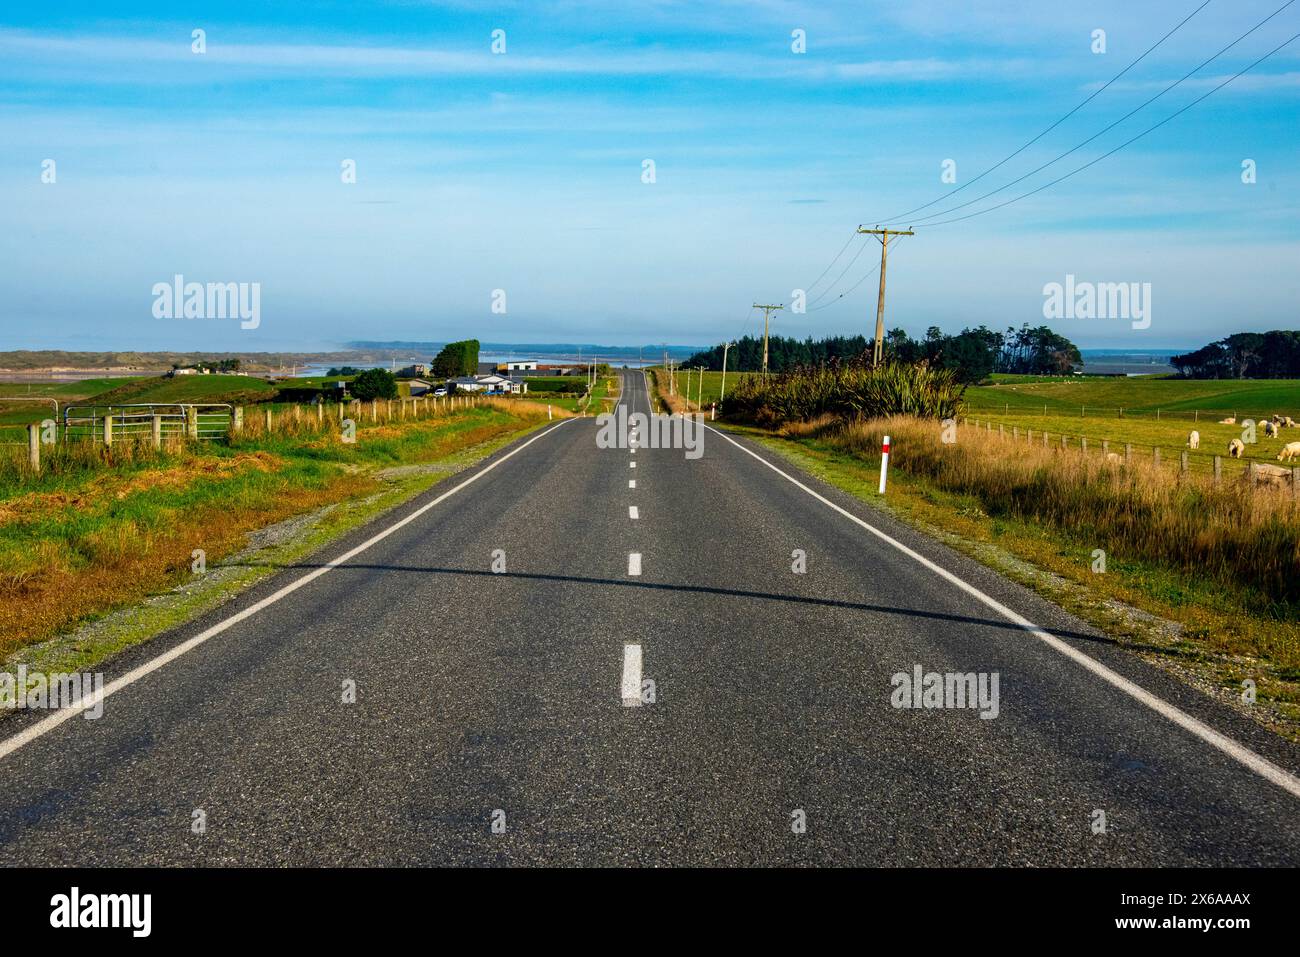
1289 451
1231 420
1194 440
1288 422
1270 429
1272 475
1113 457
1236 448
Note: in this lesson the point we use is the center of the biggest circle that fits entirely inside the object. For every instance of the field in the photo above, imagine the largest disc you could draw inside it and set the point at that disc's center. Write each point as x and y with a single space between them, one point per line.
1141 396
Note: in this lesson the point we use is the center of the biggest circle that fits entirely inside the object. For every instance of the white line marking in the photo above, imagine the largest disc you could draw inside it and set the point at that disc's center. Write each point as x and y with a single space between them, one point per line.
631 676
631 483
56 718
632 512
634 563
631 465
1260 765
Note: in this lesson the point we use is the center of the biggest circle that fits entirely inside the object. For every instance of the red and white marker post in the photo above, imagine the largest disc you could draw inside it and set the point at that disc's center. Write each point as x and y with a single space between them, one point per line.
884 463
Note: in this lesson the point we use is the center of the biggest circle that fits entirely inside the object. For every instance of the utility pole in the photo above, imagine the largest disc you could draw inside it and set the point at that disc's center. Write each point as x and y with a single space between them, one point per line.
883 235
767 311
725 347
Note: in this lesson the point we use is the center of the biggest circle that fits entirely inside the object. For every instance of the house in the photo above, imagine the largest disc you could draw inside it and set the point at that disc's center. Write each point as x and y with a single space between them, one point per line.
485 383
413 371
467 383
419 387
520 365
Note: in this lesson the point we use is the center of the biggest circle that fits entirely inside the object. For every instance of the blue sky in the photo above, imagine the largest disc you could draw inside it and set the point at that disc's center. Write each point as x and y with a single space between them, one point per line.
523 171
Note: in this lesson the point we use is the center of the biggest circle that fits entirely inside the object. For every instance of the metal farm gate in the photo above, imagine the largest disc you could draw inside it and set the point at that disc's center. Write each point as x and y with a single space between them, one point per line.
207 422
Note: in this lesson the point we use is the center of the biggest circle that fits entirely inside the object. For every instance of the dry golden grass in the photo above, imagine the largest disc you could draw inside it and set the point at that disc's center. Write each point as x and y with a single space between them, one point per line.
1245 536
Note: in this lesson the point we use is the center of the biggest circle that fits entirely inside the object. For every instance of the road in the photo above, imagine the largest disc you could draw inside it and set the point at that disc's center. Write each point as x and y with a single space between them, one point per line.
479 692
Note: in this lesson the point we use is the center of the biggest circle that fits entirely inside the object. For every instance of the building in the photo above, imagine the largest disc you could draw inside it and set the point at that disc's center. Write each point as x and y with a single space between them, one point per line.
419 387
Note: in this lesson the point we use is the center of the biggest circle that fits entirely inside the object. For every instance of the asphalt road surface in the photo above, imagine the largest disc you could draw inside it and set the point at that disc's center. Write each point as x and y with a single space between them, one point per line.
497 697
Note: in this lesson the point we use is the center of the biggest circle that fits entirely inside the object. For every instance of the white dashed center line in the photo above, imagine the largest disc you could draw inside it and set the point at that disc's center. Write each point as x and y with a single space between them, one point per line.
634 563
632 512
631 465
631 483
631 676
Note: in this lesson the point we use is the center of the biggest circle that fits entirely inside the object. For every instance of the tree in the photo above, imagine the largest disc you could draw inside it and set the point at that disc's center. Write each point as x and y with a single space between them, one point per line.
456 358
374 384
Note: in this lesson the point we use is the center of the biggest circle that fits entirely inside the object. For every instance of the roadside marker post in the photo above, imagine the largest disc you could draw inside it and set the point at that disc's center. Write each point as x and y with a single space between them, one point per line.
884 463
548 414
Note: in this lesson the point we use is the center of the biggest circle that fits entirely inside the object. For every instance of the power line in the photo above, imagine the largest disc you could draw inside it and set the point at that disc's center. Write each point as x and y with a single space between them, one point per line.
830 264
1137 109
1092 97
874 269
1121 146
821 295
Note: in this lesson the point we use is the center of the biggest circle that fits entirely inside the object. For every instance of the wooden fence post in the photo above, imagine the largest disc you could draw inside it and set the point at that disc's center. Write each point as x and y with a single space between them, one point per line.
268 421
34 448
1183 464
108 430
192 422
237 419
1105 447
1155 456
157 431
1218 469
1128 452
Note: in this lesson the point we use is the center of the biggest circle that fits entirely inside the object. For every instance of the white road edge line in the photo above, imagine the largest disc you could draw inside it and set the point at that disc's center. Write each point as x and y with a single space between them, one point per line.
631 676
1257 763
48 724
634 563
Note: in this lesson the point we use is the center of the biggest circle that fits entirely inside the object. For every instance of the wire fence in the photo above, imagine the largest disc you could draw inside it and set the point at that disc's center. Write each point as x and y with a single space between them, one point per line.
1259 469
1048 410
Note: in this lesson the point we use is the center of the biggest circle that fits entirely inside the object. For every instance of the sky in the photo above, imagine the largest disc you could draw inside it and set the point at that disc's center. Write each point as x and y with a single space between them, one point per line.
504 195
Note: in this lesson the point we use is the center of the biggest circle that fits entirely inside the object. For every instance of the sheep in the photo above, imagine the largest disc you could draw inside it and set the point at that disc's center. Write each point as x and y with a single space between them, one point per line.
1236 449
1269 428
1288 422
1194 440
1230 420
1113 457
1270 475
1289 451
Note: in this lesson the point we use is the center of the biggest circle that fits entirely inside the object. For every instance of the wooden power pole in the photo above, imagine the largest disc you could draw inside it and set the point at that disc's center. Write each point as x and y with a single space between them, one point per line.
883 235
767 311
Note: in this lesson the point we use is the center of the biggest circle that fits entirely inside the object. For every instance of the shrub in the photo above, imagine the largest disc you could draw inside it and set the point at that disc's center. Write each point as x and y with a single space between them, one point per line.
852 390
374 384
